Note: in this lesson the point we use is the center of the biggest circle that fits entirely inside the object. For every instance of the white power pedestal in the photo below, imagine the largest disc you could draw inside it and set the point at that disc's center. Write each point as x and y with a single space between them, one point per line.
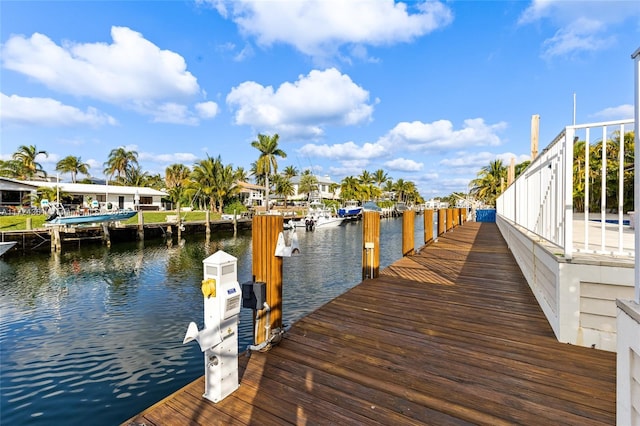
219 337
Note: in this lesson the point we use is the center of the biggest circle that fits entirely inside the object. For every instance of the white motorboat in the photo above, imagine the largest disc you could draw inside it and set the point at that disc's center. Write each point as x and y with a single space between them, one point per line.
319 216
5 246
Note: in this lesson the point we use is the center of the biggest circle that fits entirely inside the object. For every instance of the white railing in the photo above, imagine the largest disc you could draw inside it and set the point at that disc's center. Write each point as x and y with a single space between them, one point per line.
541 200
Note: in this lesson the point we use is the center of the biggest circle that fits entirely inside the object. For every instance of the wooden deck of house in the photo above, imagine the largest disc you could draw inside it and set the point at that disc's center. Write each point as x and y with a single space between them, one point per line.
449 336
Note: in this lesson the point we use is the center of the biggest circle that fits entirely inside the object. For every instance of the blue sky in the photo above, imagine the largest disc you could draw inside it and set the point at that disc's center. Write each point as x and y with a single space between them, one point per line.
428 91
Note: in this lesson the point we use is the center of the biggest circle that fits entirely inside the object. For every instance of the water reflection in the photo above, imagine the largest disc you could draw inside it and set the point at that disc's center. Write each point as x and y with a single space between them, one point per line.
95 334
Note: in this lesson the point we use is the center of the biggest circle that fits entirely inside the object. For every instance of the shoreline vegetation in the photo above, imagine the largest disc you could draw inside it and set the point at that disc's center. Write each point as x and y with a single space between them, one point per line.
19 222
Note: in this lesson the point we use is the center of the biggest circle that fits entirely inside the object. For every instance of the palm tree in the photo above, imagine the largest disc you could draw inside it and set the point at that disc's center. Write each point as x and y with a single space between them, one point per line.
349 188
119 161
333 188
135 176
290 171
11 169
242 174
366 177
400 188
488 185
308 183
25 158
380 177
225 184
388 187
204 177
284 187
176 178
74 165
267 163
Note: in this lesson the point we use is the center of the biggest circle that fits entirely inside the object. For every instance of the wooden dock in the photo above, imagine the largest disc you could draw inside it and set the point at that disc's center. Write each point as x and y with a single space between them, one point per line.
449 336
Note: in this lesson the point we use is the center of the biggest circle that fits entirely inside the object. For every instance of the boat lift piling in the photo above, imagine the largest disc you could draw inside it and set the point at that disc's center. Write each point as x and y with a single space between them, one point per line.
267 268
428 226
370 244
408 226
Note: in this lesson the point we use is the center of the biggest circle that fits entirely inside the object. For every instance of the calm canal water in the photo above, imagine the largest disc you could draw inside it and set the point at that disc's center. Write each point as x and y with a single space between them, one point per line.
94 335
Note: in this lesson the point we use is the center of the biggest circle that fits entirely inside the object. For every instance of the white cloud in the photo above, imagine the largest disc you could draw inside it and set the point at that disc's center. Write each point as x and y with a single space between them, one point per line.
94 164
582 26
473 162
621 112
321 97
130 69
580 36
440 135
171 112
403 164
320 27
175 157
48 112
344 151
131 72
207 109
349 167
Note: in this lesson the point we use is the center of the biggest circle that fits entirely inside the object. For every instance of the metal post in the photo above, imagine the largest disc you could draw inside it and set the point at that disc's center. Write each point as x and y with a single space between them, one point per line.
567 197
636 116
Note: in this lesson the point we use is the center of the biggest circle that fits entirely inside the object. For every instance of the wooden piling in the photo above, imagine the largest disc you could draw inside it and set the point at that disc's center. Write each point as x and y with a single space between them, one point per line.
449 213
106 238
442 214
463 215
56 241
428 226
408 229
370 245
140 226
207 221
267 268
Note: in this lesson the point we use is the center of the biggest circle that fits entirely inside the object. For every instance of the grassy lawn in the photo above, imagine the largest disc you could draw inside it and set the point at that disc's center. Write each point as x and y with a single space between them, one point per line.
19 222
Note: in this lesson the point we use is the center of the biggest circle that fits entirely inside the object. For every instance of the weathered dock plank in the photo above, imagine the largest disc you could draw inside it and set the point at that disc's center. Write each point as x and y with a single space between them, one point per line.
449 336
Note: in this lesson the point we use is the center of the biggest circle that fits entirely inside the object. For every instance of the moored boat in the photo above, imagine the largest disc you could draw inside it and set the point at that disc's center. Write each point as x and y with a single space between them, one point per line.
350 209
58 215
319 216
5 246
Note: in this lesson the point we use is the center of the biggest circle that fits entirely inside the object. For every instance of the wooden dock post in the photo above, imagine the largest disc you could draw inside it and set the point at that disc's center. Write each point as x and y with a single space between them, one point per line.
428 226
408 229
535 132
207 222
140 226
442 221
370 245
56 241
106 238
449 213
267 268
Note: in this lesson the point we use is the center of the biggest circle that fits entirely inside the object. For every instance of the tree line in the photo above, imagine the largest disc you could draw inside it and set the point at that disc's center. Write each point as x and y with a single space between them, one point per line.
210 183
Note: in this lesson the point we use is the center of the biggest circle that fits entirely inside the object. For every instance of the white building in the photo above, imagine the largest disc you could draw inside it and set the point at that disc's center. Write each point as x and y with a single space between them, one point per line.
14 193
324 189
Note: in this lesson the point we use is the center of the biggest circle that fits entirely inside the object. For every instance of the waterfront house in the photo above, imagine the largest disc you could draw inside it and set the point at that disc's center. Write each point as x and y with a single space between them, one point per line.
14 194
324 189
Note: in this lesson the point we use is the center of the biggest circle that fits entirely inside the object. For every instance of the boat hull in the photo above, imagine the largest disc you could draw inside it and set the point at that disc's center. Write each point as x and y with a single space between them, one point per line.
92 218
5 246
349 212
